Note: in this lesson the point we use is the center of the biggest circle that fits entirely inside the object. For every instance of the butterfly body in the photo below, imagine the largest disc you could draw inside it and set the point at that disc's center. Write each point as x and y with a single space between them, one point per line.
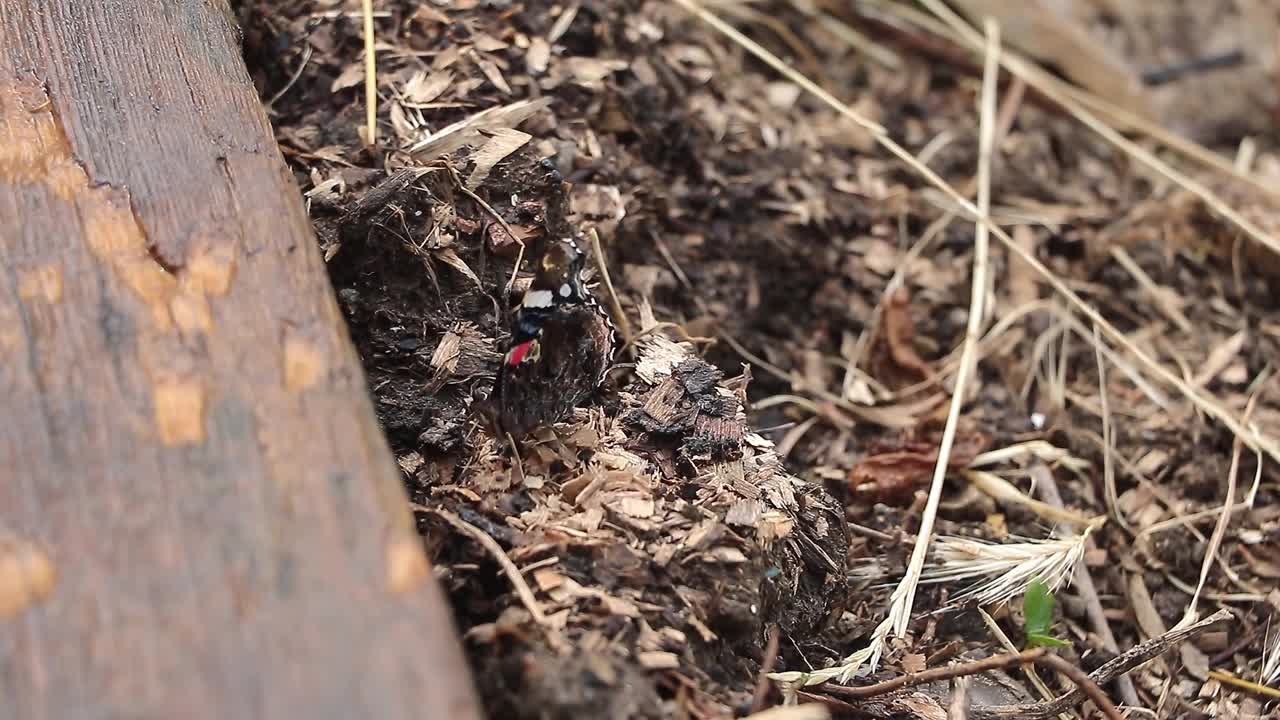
562 343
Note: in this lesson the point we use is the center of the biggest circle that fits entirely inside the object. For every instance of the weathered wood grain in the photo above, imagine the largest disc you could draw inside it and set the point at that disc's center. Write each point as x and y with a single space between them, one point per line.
198 515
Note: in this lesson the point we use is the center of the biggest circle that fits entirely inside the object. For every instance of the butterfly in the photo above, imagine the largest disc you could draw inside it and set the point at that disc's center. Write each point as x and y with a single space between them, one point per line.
562 344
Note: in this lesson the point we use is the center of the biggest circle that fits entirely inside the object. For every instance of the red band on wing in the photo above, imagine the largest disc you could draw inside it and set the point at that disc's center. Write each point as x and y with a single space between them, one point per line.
518 352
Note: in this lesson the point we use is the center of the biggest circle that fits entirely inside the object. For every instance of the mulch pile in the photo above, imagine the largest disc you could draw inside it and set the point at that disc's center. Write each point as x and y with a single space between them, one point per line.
774 424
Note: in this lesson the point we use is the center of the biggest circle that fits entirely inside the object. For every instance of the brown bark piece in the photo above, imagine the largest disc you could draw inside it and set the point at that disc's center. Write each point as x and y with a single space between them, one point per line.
198 515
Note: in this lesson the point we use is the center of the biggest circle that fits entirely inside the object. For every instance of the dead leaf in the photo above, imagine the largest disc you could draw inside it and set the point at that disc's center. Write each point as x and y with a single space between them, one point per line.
592 70
492 73
636 507
468 130
913 663
351 76
450 258
1260 566
891 475
1144 611
897 341
1220 358
503 142
488 43
424 87
562 23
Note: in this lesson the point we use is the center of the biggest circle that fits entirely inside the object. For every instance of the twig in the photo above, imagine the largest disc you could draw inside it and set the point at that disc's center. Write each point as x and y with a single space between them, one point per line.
370 77
1048 486
1007 661
1132 658
1085 686
306 58
509 568
502 222
619 317
1243 684
762 681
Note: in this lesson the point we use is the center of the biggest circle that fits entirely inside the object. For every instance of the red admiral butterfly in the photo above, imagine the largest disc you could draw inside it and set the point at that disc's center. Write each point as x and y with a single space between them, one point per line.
562 343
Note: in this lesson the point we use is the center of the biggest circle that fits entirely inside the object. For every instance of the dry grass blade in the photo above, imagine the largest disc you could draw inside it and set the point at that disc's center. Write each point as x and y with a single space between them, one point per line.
615 306
1220 527
1118 116
1030 670
1108 436
1045 452
370 77
1229 679
1001 571
903 596
1271 663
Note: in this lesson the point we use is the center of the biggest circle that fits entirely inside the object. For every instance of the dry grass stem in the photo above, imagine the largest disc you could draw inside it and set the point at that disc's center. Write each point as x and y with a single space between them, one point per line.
903 596
1031 450
1163 298
1229 679
499 555
1220 527
1002 490
370 77
615 306
1030 670
1108 437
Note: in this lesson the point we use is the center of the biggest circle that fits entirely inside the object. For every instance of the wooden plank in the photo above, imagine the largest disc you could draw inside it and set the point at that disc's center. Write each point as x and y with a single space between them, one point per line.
199 517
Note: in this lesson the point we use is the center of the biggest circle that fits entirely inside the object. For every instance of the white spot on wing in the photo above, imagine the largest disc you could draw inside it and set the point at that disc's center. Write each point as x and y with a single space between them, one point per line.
565 290
537 299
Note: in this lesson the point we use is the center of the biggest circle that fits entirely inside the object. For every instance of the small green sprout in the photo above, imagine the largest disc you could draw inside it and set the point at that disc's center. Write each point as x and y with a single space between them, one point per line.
1037 610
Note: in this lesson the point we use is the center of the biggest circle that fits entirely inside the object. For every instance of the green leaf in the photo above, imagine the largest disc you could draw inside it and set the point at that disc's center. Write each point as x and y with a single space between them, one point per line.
1035 640
1037 608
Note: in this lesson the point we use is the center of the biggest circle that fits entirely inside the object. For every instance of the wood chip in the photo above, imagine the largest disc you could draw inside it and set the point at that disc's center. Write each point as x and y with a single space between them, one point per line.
658 660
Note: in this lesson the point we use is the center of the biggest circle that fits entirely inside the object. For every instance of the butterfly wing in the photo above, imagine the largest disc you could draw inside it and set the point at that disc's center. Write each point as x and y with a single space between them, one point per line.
559 371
